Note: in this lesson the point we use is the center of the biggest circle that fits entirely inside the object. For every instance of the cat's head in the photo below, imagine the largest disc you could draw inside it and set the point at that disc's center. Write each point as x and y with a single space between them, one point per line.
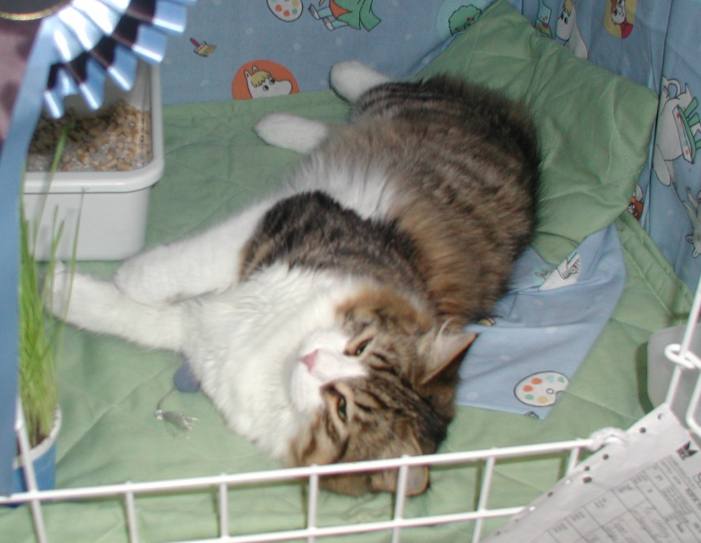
379 385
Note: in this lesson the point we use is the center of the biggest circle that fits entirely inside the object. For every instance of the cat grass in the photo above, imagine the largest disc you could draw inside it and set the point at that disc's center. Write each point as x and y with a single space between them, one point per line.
39 332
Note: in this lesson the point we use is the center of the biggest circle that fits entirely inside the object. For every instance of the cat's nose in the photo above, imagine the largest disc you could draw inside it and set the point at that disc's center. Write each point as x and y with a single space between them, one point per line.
309 359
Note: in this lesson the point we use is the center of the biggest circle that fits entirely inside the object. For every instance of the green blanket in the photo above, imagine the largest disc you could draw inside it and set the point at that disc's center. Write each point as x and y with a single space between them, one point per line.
214 165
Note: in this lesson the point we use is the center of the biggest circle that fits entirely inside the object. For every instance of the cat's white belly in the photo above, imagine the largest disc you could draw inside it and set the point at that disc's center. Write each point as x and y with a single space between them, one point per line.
366 190
244 343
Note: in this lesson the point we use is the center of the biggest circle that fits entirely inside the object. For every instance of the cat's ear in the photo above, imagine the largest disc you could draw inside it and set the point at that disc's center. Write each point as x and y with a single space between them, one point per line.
417 476
444 353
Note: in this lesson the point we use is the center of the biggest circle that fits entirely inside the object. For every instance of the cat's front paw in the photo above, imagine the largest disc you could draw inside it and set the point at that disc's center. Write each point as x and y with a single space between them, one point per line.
290 132
139 279
77 298
351 79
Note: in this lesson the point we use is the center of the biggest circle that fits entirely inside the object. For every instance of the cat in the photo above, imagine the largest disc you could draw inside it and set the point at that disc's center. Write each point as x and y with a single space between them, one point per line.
326 322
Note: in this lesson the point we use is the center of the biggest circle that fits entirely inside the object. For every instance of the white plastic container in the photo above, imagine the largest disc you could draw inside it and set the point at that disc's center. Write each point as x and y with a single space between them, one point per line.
112 205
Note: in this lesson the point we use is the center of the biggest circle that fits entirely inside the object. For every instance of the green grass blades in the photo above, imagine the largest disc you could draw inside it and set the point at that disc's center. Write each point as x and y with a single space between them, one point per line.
39 332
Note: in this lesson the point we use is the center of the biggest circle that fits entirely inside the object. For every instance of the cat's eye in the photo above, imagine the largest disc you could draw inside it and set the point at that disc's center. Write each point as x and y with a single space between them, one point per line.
341 407
360 347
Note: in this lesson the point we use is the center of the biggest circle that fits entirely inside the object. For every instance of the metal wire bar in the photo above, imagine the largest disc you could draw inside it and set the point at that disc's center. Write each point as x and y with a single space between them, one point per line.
680 355
312 506
400 500
304 472
572 460
485 489
34 497
132 526
693 407
223 510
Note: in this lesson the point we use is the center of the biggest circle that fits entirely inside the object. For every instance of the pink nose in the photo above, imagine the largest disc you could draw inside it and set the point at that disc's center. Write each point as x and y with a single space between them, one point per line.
309 359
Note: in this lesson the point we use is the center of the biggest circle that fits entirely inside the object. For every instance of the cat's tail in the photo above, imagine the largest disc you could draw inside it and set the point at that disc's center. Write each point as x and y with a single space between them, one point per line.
99 306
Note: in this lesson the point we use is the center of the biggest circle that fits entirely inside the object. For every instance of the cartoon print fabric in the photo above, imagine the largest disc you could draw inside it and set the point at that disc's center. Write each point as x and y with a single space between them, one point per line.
287 46
541 331
655 44
300 39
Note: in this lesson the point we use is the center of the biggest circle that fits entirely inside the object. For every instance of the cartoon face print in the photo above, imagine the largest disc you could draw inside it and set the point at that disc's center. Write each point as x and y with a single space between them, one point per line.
286 10
262 78
455 16
618 11
568 31
619 18
463 17
565 23
261 83
541 389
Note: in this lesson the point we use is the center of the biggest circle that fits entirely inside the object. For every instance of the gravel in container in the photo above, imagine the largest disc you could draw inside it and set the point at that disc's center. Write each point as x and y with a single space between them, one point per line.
117 138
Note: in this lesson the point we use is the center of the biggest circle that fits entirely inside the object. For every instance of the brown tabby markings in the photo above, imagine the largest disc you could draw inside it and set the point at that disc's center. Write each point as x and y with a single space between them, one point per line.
462 165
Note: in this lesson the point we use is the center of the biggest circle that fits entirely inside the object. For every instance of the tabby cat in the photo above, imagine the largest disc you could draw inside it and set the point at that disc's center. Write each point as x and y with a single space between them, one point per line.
326 321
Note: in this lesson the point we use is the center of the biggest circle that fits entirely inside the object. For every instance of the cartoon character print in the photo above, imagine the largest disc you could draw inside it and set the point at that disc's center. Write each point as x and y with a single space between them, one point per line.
692 209
568 31
286 10
261 84
678 129
541 389
262 78
463 17
202 49
542 22
335 14
567 273
619 18
636 205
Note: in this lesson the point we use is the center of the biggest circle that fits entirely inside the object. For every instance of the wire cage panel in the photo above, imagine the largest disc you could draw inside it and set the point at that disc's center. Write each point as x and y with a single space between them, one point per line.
683 396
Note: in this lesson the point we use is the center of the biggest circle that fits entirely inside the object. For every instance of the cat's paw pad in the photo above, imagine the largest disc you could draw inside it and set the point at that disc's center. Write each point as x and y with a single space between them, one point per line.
290 132
352 78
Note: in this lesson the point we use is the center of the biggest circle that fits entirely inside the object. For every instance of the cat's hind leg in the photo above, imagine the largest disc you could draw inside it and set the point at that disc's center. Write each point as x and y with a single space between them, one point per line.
291 132
351 79
98 306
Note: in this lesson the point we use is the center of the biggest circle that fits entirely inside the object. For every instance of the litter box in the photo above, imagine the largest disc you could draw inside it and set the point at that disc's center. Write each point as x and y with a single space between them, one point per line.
113 157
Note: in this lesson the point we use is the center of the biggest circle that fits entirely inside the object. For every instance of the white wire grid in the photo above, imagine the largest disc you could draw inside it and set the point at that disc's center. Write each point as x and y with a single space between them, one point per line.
678 354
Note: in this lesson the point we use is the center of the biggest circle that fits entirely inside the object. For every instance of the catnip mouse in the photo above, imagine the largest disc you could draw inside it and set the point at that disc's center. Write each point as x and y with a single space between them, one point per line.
326 321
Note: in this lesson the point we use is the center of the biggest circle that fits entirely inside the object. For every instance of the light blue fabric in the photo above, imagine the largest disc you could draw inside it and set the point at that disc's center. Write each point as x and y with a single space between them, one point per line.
543 328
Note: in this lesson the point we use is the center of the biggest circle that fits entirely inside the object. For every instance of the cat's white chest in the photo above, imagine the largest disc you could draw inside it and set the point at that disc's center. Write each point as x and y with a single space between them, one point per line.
243 343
